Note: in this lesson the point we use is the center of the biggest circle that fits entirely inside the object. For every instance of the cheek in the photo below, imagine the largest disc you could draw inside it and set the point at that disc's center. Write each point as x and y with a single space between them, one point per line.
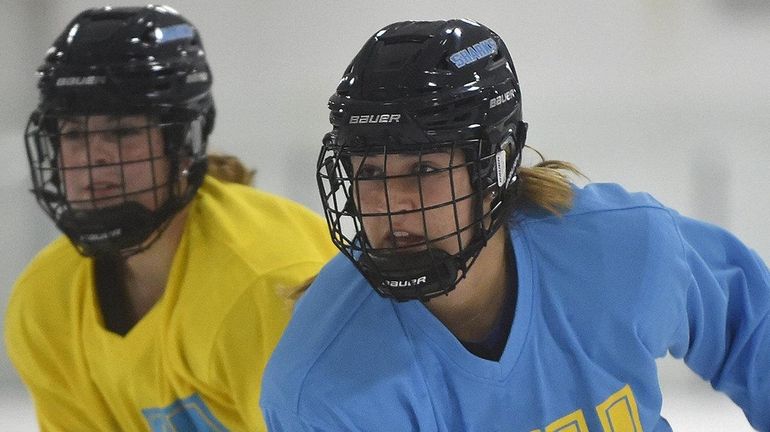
160 169
141 148
369 196
448 218
369 224
445 195
72 178
454 214
68 159
148 183
145 175
72 154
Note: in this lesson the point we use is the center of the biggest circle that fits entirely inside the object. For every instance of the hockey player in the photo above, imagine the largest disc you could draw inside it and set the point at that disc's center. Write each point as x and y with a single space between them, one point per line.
160 306
479 295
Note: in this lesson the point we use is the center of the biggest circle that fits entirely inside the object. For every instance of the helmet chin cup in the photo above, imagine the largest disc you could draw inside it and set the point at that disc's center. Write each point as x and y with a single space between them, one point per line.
113 231
418 275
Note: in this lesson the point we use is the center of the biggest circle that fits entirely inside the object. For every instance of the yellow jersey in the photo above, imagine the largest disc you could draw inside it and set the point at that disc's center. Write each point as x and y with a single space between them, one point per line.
194 362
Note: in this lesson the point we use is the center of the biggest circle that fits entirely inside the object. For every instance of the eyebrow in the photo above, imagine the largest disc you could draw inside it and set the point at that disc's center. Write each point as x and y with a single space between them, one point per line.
71 122
84 119
72 119
133 120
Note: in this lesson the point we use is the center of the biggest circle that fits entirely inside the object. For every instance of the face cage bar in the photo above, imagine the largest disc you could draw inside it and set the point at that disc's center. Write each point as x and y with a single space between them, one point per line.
44 139
337 181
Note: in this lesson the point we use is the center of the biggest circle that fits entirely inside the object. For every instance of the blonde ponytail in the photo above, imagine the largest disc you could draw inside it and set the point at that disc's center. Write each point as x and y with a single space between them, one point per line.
547 185
229 169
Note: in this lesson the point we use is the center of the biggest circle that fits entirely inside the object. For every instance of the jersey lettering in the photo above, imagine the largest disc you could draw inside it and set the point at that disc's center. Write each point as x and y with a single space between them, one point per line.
572 422
183 415
618 412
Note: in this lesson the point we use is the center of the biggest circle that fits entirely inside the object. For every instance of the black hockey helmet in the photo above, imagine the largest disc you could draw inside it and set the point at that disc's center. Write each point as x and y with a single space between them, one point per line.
416 88
146 61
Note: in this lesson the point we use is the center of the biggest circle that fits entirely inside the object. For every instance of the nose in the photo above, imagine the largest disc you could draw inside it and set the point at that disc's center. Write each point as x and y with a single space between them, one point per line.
101 149
403 195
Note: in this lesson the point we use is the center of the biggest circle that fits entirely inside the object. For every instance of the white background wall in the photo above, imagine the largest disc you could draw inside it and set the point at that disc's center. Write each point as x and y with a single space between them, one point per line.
668 96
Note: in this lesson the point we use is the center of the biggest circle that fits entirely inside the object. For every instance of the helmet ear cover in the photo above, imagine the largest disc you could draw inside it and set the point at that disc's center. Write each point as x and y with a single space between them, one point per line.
122 62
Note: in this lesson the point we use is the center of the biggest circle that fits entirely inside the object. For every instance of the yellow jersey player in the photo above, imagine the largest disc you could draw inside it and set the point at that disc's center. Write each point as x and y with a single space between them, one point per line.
160 306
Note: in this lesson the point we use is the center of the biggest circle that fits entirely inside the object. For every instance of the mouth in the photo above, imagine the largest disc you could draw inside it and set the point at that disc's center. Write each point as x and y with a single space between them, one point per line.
103 189
404 240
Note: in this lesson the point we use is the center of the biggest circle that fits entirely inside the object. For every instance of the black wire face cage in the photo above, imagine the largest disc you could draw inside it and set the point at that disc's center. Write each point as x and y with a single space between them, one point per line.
412 222
112 183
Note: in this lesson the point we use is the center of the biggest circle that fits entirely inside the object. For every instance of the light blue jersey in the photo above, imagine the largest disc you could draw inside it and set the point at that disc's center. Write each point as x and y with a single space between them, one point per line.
603 291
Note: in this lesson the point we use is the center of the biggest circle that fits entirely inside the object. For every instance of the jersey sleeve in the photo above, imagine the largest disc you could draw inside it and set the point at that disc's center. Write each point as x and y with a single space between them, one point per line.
725 334
65 398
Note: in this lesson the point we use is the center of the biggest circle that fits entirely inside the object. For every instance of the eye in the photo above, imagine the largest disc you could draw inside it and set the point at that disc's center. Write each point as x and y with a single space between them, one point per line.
425 168
72 134
369 172
126 132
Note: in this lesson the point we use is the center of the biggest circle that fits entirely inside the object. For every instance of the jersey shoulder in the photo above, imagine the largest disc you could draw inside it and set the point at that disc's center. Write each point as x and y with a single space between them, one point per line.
48 280
603 215
45 305
263 229
331 328
605 197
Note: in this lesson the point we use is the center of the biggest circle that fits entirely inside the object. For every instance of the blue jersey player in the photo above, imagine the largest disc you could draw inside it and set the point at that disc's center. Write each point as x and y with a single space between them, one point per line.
504 297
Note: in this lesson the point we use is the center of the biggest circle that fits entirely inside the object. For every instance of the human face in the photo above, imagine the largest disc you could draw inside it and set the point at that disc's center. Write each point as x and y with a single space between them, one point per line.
108 160
409 202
